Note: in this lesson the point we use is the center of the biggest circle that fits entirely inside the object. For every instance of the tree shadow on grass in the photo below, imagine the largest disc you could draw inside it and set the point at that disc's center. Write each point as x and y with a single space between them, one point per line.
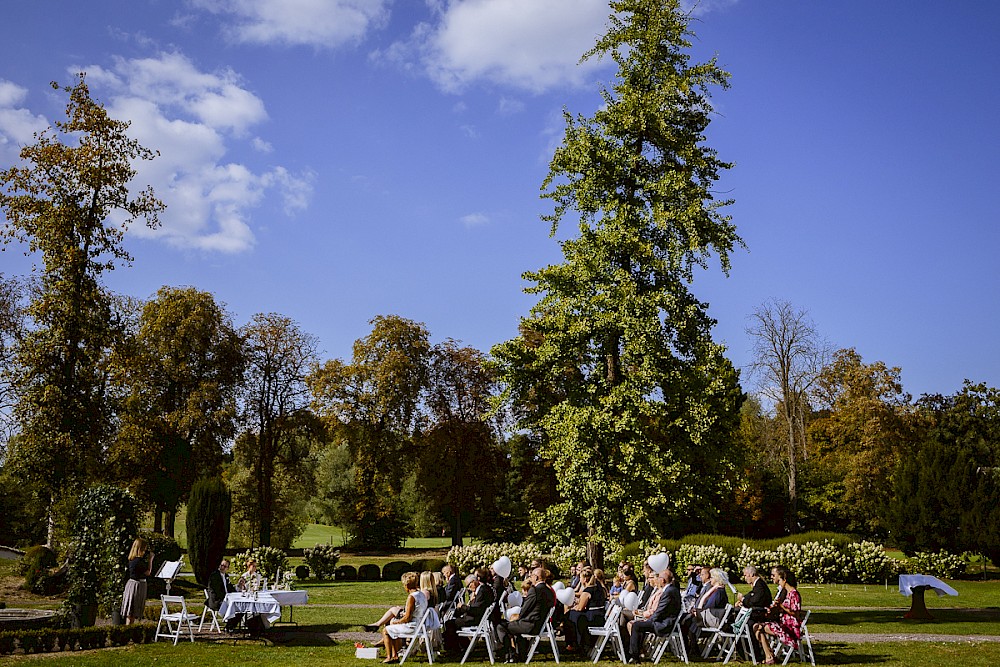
837 653
894 616
314 634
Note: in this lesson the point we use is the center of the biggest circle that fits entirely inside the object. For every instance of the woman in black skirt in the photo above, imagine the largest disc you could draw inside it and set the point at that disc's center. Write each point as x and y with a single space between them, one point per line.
140 562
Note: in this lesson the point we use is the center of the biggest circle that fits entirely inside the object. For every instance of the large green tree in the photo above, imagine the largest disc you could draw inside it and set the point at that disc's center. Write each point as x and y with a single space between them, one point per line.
60 202
647 398
372 405
947 493
462 467
12 328
279 429
180 375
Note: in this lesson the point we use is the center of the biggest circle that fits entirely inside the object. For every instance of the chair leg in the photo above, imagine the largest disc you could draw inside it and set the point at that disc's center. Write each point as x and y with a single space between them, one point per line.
555 647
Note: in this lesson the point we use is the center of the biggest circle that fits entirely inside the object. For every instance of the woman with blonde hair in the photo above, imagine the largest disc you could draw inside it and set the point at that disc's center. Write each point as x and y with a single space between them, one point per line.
140 565
429 587
413 612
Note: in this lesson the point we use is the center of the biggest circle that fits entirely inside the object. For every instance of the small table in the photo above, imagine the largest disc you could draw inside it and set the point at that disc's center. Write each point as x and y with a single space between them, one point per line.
263 605
916 585
290 599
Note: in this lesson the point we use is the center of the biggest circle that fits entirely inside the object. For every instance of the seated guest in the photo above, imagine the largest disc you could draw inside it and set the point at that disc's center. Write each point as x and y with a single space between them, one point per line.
218 586
644 597
452 584
787 628
711 605
429 588
693 589
587 612
439 587
413 612
539 599
661 613
617 586
467 615
251 579
630 582
759 596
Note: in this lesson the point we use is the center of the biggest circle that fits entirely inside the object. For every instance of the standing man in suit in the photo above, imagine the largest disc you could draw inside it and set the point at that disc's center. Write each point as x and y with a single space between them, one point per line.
660 619
219 586
534 610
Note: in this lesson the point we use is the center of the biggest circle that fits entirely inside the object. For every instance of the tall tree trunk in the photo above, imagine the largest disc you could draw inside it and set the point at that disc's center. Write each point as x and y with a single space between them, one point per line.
595 551
169 523
157 521
456 533
791 518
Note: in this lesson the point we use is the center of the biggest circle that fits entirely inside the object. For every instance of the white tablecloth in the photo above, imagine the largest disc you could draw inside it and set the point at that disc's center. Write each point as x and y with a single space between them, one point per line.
265 605
290 598
907 582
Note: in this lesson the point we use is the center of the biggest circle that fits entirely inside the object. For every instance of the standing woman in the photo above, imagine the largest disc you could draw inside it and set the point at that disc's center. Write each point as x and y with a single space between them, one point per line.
140 565
787 627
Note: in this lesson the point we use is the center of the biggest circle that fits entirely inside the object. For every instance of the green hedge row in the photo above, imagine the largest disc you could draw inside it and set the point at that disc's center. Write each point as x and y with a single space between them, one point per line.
75 639
391 571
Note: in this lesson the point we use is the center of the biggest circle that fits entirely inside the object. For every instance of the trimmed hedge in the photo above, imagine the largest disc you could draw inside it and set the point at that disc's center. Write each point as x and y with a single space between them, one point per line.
428 564
369 572
347 573
394 570
78 639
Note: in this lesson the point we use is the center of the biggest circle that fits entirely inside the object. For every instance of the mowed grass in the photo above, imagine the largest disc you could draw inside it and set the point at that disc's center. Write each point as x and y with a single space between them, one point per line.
341 654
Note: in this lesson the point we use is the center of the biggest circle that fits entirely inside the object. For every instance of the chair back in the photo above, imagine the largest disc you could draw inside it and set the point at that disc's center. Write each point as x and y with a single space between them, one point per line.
611 619
167 600
741 619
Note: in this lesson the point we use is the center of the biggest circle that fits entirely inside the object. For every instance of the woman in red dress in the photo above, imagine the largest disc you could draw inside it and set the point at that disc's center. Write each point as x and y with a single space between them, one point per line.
786 627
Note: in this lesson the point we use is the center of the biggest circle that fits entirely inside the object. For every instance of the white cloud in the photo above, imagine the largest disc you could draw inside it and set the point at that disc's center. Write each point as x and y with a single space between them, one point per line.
261 146
17 124
525 44
193 119
702 7
474 219
318 23
509 106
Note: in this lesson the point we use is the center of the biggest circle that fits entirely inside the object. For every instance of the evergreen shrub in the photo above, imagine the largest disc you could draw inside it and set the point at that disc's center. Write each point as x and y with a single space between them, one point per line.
347 573
209 513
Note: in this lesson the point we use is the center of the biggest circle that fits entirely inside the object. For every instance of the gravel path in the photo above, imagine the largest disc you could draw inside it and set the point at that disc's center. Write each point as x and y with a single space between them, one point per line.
860 638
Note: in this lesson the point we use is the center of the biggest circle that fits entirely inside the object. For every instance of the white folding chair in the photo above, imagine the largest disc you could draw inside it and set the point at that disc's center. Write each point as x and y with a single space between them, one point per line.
171 618
674 641
783 653
705 631
609 630
447 610
214 625
727 641
473 633
420 633
547 632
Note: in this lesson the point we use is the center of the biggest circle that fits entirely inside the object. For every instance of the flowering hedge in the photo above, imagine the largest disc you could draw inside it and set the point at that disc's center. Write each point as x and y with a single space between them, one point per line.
940 564
467 559
269 561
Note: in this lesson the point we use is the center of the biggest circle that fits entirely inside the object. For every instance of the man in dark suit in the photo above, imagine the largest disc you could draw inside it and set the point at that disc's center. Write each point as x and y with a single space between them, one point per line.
534 610
759 596
452 584
218 586
471 614
659 620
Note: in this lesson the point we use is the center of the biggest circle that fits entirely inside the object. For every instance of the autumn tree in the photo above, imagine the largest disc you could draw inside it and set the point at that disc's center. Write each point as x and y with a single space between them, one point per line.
75 178
462 467
180 375
646 396
372 407
864 426
278 428
788 355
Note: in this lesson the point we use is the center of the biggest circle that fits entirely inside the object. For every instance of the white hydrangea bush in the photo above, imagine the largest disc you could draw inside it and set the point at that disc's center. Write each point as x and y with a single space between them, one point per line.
940 564
816 562
701 554
870 563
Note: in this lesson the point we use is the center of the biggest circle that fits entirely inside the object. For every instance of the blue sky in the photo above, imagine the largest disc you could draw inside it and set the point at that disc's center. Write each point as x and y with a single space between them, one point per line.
336 160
